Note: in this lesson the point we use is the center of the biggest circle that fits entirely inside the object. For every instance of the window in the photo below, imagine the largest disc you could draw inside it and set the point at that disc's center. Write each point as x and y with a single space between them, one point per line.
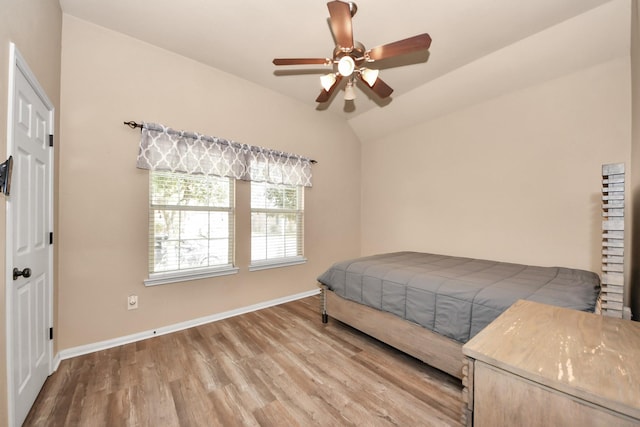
191 227
277 225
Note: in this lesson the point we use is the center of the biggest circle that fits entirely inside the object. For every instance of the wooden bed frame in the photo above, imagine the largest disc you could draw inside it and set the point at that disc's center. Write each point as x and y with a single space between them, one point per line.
433 349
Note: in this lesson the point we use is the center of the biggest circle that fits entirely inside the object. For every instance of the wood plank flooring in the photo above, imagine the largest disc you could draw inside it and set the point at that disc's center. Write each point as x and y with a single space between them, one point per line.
275 367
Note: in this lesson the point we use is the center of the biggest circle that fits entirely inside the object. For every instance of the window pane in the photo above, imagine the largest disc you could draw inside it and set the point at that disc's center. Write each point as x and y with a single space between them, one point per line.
168 260
274 197
258 199
258 236
196 192
191 222
193 253
276 221
173 189
164 191
218 252
290 196
219 225
194 225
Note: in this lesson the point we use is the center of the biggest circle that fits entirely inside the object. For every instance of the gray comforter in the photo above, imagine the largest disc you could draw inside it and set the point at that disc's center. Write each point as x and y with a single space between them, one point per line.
456 297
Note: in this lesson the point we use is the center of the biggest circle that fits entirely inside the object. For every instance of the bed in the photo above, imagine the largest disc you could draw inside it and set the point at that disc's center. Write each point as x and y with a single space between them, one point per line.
429 305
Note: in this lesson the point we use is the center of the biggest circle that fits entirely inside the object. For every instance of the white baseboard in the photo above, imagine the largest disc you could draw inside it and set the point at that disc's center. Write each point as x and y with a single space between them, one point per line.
55 363
103 345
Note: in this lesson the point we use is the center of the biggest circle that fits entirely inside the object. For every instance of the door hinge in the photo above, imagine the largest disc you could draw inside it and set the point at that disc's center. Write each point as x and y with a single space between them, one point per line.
50 333
50 140
51 238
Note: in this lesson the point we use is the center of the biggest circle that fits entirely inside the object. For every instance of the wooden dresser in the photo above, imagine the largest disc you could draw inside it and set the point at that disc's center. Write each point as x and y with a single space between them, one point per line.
539 365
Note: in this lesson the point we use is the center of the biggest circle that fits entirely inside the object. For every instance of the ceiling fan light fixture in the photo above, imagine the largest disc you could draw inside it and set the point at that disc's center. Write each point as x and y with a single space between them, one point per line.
369 76
349 92
327 81
350 56
346 66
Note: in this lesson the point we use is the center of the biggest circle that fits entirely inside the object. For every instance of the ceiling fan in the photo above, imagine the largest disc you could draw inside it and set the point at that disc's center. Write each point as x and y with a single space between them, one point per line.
350 57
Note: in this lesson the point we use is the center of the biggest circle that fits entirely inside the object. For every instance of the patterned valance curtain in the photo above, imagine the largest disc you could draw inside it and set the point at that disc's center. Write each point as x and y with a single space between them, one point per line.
166 149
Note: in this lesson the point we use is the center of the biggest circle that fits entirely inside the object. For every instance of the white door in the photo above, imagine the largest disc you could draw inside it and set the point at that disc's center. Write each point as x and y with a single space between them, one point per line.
29 221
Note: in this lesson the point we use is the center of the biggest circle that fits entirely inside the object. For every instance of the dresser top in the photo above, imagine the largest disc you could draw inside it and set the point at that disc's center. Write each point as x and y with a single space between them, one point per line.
586 355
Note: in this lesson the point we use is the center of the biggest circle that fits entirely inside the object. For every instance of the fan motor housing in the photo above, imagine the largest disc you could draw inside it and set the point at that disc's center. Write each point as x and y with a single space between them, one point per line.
357 54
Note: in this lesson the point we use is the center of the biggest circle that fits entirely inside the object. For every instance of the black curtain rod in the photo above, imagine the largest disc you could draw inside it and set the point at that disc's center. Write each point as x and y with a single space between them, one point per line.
134 125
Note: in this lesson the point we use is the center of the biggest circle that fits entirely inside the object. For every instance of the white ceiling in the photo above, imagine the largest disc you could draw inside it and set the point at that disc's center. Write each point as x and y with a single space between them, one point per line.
242 37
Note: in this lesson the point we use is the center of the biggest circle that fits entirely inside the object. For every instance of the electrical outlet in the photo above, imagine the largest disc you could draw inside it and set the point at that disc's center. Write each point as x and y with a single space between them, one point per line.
132 302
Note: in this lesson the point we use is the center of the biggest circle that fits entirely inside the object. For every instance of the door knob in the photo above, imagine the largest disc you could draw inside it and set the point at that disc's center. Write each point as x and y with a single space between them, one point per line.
17 273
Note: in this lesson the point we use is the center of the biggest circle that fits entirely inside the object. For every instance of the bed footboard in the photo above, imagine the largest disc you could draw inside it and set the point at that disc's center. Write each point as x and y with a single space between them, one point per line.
433 349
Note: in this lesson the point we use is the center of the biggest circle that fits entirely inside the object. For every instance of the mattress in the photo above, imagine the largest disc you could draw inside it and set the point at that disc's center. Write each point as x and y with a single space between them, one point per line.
456 297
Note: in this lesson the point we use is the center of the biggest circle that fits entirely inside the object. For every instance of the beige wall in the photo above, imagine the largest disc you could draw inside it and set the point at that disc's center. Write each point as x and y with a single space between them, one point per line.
516 178
35 27
108 78
505 162
514 175
502 156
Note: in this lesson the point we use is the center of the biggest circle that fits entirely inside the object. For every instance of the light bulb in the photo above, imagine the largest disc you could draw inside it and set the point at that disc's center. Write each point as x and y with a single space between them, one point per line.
349 92
346 65
327 81
369 76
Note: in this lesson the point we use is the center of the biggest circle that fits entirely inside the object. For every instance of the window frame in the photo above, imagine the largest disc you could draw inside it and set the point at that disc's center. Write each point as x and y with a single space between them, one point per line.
193 273
299 258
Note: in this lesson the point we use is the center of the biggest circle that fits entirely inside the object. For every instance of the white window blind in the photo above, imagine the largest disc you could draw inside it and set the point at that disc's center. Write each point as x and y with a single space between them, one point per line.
191 226
277 225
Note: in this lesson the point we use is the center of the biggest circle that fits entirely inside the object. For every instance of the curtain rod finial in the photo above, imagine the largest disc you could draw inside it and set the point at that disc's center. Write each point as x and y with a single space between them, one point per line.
133 124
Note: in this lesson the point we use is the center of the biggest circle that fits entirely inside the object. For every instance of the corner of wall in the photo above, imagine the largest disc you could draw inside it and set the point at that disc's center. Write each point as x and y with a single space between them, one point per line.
634 282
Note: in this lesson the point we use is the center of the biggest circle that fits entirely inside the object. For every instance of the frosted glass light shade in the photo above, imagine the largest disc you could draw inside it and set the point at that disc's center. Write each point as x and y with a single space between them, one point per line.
349 92
369 76
346 65
327 81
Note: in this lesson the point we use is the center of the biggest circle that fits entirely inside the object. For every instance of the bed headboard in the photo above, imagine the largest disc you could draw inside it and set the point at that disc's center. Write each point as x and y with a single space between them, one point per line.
612 294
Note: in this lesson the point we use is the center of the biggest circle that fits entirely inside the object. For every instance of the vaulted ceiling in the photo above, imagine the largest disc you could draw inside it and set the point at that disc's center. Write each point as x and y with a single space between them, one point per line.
242 37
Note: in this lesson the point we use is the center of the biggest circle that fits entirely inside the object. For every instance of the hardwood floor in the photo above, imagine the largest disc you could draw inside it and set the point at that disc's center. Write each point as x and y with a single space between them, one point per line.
275 367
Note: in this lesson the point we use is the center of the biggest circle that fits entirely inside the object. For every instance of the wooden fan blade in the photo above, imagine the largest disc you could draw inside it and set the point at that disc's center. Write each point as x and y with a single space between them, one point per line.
340 14
302 61
382 89
325 95
401 47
